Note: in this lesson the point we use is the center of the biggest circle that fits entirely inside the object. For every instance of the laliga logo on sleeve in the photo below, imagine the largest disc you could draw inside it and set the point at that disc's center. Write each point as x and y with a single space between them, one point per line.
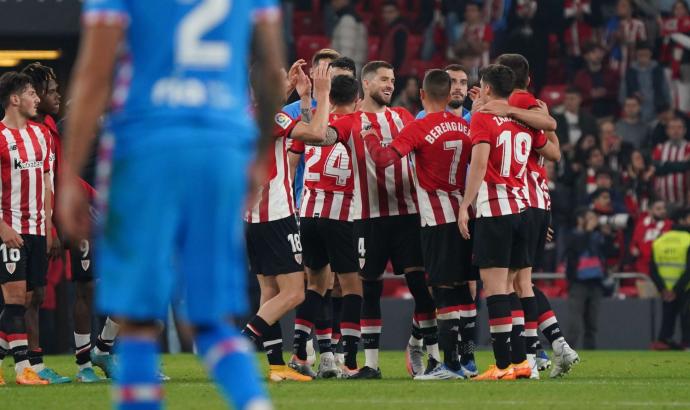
283 120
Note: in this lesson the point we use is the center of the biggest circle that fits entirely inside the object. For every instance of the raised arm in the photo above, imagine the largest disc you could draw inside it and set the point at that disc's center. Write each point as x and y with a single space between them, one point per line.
316 132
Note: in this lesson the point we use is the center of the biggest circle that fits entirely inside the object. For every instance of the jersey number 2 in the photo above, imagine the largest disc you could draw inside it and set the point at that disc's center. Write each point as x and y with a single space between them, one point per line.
191 50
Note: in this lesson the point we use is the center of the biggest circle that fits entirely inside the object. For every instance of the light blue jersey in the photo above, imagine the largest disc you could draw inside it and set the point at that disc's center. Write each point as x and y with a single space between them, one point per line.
182 62
183 139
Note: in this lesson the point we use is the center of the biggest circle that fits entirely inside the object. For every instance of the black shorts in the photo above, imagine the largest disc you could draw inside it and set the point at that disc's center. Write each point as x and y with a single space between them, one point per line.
394 238
327 241
81 258
539 222
447 255
502 242
29 263
274 248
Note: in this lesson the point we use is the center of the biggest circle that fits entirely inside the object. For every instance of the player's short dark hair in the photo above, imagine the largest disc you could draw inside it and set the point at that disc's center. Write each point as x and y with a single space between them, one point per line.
12 83
373 66
40 76
455 67
345 63
436 85
324 54
344 90
520 66
500 78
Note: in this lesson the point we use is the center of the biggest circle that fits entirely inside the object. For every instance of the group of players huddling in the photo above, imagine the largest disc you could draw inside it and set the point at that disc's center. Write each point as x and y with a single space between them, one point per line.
439 195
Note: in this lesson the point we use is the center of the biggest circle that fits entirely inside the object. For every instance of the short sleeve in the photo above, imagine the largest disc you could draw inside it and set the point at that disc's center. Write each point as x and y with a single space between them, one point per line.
292 109
49 149
297 147
540 140
265 10
283 125
523 100
407 140
405 115
479 129
105 12
343 127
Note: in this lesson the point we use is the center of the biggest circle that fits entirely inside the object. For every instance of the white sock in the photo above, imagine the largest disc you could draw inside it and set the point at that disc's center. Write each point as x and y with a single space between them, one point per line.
19 367
371 358
327 355
38 367
415 342
81 340
432 350
558 344
340 357
110 330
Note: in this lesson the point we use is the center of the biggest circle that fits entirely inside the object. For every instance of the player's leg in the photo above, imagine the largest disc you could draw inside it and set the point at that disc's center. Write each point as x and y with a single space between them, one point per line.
465 294
37 271
372 252
211 263
407 258
337 303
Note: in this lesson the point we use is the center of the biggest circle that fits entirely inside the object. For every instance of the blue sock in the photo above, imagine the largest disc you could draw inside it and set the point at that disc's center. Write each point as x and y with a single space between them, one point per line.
228 357
136 379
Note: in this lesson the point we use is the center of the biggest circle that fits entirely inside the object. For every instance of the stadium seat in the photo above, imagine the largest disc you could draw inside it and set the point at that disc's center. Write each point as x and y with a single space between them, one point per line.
308 45
374 43
417 68
414 46
553 95
306 23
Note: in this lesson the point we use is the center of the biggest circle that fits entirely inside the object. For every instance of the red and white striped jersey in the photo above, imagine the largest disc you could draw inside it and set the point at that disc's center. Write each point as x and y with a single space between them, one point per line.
274 199
328 180
536 182
440 147
502 191
24 160
672 187
378 192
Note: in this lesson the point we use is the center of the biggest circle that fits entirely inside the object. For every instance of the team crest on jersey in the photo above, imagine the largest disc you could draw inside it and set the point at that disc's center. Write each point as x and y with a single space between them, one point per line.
11 267
85 264
298 258
283 120
361 263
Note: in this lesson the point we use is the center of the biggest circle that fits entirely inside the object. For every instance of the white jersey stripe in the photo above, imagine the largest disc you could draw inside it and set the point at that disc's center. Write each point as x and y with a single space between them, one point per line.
33 183
503 201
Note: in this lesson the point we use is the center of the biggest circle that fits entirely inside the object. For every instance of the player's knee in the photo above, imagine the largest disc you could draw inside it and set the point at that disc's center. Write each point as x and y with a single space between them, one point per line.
294 297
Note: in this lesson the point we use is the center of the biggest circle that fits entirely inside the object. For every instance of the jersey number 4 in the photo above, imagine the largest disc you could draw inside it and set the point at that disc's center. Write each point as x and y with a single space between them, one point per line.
191 50
514 149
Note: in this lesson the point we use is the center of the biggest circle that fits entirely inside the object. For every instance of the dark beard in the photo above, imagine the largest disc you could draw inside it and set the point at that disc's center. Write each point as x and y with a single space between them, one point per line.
455 104
379 100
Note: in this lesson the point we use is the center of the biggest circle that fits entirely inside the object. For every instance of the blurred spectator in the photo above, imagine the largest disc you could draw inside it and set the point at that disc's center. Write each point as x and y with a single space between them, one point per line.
616 151
470 58
587 181
659 135
672 162
529 23
605 179
647 229
561 213
645 80
671 274
597 83
623 32
613 224
573 123
631 127
393 48
350 34
477 33
409 97
578 30
637 181
586 271
675 31
576 162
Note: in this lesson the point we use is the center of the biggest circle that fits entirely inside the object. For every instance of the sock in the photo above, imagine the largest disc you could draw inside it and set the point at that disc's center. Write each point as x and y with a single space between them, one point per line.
517 333
529 306
416 336
350 327
336 314
104 343
229 359
136 385
3 348
304 321
468 320
323 324
255 330
500 325
448 315
424 312
371 321
36 360
13 332
548 324
82 342
273 345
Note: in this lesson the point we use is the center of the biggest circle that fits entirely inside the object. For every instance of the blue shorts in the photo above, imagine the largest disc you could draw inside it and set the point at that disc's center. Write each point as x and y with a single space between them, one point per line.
173 229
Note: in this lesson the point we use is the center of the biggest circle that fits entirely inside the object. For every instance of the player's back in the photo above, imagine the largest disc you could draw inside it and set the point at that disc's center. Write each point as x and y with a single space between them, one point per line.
182 63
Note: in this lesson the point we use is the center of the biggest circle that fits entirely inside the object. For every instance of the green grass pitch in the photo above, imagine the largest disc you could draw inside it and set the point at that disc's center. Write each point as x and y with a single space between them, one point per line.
603 380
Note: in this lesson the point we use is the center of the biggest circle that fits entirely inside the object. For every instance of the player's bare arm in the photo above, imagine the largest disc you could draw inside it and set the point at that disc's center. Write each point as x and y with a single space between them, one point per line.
91 84
535 119
292 76
383 156
475 176
303 87
269 52
313 132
